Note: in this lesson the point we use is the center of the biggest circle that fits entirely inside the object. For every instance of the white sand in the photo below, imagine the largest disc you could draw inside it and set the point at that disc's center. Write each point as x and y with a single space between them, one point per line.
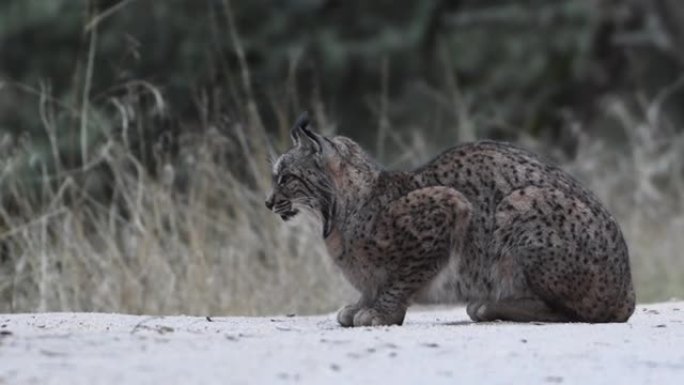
436 346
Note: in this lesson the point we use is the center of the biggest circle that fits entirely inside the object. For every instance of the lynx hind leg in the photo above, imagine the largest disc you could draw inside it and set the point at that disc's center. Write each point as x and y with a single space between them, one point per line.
572 255
415 236
516 310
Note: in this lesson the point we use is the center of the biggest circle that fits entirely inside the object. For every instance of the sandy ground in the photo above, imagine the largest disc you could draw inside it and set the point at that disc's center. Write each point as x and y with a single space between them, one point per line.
433 347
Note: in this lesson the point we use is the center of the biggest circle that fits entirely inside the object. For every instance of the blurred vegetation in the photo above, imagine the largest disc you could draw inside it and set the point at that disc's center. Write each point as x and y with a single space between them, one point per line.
535 66
91 91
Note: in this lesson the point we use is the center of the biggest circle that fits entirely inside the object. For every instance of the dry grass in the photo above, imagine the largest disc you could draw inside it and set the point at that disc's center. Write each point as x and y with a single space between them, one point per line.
191 236
211 247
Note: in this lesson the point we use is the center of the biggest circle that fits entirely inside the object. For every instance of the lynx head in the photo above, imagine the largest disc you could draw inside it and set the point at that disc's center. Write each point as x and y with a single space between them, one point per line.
301 176
318 174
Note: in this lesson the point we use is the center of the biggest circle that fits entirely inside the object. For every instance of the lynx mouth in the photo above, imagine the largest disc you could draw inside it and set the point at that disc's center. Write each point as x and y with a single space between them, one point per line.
286 211
287 215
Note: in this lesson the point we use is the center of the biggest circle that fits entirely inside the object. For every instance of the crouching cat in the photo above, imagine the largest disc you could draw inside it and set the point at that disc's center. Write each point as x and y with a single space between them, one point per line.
518 239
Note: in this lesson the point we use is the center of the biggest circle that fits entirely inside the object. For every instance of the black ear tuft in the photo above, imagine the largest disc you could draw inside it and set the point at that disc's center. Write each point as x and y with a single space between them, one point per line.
302 122
302 135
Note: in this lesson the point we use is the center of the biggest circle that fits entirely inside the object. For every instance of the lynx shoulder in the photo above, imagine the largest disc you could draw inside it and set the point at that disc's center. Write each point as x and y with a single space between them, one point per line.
512 236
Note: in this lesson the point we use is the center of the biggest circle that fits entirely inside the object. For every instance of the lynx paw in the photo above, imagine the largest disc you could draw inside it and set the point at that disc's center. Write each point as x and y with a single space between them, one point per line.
345 316
478 312
368 317
372 317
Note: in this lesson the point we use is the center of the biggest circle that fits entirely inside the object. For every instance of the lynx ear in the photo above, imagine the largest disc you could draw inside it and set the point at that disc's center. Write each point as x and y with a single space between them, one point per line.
296 131
302 135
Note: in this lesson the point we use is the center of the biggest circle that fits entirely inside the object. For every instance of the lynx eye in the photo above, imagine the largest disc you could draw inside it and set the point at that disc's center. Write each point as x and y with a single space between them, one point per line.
284 179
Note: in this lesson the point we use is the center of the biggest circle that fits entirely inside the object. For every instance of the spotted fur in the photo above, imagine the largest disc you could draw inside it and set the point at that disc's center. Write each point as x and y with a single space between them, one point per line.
513 236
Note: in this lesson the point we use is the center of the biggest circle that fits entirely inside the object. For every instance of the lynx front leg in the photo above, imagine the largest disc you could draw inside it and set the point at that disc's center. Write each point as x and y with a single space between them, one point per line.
413 240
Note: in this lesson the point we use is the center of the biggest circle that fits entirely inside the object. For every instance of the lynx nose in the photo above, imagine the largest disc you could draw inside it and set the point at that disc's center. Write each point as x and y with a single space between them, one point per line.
269 202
